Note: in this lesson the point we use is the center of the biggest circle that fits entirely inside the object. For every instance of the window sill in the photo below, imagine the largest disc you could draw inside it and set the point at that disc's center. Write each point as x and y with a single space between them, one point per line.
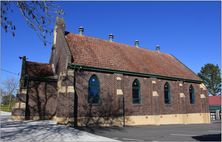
137 104
94 104
168 105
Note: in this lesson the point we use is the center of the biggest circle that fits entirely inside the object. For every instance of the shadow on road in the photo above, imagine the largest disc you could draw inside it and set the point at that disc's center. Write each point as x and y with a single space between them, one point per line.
100 129
23 130
210 137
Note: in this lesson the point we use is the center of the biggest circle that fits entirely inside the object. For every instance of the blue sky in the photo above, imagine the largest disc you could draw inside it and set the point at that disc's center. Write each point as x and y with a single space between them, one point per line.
188 30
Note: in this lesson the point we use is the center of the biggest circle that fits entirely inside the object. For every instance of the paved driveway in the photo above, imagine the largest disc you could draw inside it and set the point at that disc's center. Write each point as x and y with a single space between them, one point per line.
26 131
37 131
198 132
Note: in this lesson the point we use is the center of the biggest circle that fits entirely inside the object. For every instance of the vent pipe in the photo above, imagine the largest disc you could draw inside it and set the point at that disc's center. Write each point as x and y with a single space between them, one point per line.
158 48
111 37
81 30
136 43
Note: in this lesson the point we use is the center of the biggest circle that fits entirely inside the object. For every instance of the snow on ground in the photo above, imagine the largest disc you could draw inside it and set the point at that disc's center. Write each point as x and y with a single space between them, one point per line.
5 113
38 131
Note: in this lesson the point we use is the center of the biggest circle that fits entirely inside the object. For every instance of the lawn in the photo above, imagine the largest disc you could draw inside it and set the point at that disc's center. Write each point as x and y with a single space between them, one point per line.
5 108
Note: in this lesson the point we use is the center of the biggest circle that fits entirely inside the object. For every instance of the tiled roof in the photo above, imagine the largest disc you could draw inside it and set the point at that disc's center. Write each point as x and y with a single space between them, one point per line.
100 53
215 100
35 69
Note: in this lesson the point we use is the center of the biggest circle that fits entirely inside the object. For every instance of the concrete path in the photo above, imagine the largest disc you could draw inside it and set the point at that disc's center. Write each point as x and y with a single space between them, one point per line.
39 131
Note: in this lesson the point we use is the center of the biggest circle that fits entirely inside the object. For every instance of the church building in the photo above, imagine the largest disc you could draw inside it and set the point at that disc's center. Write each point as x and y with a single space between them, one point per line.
91 81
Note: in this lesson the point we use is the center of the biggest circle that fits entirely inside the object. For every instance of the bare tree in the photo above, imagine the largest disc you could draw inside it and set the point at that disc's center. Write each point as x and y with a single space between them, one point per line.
10 85
2 94
39 16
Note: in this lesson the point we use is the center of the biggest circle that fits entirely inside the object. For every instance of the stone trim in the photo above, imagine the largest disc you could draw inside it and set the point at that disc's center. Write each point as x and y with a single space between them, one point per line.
62 89
53 68
153 82
182 95
190 118
155 94
203 86
70 89
202 96
54 35
70 73
118 78
19 105
119 91
118 121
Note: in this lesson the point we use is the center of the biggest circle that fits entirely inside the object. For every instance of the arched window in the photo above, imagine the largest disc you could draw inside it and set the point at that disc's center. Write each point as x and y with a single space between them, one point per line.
191 93
93 89
136 91
167 93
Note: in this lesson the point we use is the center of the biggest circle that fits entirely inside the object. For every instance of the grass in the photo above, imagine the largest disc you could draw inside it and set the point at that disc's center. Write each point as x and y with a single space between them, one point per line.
5 108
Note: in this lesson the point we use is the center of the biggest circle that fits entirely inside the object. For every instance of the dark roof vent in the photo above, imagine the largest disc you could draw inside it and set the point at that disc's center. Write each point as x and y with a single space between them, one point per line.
111 37
81 30
158 48
136 43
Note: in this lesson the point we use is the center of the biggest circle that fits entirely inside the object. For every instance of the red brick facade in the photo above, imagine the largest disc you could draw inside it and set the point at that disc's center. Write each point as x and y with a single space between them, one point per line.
59 90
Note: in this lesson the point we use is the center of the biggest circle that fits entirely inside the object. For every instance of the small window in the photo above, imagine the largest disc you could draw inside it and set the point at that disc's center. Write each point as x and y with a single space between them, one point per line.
136 91
167 93
93 89
192 96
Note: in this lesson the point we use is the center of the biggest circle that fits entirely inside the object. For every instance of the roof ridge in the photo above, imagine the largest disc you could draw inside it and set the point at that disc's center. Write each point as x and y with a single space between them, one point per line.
119 43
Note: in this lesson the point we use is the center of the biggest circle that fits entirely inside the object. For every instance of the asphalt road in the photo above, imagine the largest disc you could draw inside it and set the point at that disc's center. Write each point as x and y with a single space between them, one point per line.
197 132
48 131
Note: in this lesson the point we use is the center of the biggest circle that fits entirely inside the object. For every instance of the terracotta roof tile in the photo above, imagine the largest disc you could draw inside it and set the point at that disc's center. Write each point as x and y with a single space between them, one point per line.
35 69
96 52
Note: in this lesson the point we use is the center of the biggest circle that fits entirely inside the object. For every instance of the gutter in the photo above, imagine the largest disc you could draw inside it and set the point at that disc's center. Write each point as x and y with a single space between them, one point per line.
106 70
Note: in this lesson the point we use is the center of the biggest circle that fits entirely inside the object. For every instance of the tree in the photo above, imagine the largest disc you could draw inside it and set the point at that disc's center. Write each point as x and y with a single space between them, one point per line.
210 74
2 94
10 85
39 15
8 99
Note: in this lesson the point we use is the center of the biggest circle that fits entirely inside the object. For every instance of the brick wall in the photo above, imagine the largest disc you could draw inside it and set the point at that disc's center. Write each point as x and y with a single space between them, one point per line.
47 99
42 99
151 104
38 101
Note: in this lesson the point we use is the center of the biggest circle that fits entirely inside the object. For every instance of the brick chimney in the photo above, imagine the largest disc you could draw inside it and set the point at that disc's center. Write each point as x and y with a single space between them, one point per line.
60 24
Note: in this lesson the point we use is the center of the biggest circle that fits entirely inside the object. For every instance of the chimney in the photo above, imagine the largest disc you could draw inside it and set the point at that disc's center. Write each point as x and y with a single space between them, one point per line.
111 37
158 48
59 29
136 43
60 24
81 30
